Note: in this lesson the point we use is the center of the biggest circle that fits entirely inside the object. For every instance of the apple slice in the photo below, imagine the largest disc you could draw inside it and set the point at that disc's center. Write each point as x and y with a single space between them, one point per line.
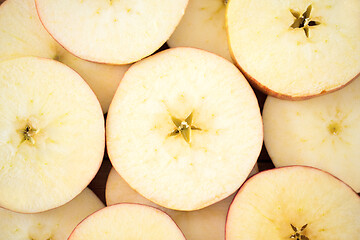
188 122
53 224
295 49
116 32
52 134
203 26
323 132
299 203
127 221
22 34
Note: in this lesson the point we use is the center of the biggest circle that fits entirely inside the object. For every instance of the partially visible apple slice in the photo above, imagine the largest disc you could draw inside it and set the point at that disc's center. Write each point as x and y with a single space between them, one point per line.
22 34
52 134
56 224
203 26
115 31
323 132
295 49
299 203
127 221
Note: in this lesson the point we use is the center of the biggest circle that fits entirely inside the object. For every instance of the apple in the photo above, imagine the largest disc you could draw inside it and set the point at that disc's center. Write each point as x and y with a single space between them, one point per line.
115 32
295 49
52 134
322 132
53 224
300 203
127 221
22 34
188 122
203 26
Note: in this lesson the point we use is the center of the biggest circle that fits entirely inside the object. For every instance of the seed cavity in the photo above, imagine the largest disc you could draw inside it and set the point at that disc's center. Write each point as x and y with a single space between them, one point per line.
304 20
184 127
298 235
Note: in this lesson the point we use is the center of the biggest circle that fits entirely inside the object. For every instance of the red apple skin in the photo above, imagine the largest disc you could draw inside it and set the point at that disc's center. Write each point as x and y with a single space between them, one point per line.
274 169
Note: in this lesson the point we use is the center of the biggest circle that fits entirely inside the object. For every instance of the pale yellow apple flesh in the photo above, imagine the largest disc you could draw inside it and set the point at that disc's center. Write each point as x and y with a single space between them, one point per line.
116 31
296 49
187 165
203 26
300 203
52 134
22 34
323 132
127 221
56 224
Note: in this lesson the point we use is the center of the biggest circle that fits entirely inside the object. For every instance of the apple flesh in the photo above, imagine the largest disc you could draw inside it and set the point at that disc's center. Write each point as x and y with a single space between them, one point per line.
295 49
323 132
127 221
296 202
52 134
53 224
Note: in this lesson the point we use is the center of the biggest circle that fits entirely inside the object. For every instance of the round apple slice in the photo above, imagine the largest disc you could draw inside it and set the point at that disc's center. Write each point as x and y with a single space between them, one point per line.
23 35
300 203
203 26
188 122
53 224
52 134
295 49
115 31
127 221
323 132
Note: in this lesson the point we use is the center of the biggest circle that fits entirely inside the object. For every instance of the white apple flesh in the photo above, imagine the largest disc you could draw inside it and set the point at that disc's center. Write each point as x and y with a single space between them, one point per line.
56 224
300 203
52 134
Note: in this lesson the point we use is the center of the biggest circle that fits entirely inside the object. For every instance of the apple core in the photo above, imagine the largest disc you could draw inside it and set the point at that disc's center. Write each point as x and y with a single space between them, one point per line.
299 233
28 133
304 20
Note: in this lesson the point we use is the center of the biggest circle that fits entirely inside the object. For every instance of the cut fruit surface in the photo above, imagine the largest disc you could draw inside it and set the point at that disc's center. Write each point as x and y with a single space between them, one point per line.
56 224
127 221
295 49
115 32
22 34
188 122
296 202
323 132
52 134
203 26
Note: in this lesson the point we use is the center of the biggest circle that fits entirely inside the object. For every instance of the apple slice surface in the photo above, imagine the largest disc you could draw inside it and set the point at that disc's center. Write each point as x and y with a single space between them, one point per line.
203 26
52 134
295 49
115 32
22 34
56 224
301 203
323 132
188 122
127 221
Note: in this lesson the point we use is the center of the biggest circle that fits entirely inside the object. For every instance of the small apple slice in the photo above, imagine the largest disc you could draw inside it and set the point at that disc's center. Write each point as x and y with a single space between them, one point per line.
323 132
53 224
188 122
52 134
300 203
22 34
295 49
115 31
127 221
203 26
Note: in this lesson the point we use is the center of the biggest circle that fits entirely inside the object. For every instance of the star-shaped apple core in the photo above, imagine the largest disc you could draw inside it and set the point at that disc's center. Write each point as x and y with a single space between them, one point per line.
184 127
298 233
304 20
28 133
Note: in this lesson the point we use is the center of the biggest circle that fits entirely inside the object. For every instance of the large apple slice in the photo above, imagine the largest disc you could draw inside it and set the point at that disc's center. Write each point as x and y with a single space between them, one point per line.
295 49
56 224
52 134
115 31
188 122
299 203
127 221
323 132
203 26
22 34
